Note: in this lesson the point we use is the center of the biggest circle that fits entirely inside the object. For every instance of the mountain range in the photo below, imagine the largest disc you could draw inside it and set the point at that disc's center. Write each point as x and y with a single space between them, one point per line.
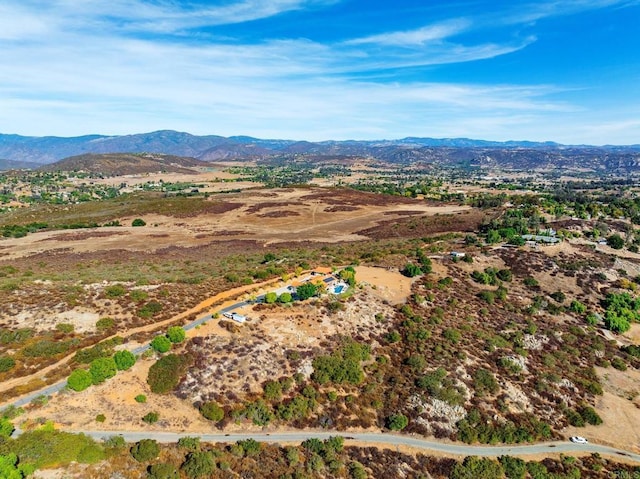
26 151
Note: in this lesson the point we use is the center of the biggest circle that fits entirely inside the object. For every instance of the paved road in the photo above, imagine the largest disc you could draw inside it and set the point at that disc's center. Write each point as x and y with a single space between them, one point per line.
382 439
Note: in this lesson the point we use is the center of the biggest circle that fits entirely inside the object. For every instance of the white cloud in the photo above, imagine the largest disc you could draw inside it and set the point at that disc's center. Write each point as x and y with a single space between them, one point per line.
418 37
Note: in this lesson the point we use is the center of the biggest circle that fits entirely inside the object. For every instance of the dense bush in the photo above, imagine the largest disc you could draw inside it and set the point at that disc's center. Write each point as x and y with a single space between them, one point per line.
6 363
474 467
114 291
199 464
150 309
163 470
306 291
212 411
151 417
145 450
124 360
102 369
410 270
165 374
6 428
161 344
10 468
343 366
176 334
79 380
397 422
47 447
138 222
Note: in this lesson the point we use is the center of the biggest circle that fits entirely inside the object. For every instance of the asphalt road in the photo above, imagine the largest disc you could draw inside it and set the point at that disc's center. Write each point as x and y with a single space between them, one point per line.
381 439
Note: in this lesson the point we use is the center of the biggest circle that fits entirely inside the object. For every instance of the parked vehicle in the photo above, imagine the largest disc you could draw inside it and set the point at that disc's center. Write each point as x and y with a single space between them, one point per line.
578 440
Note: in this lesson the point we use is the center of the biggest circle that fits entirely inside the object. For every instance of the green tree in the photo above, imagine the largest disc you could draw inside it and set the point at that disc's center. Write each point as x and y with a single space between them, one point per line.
410 270
79 380
514 467
397 422
212 411
145 450
285 298
176 334
270 297
138 222
306 291
161 344
124 360
102 369
615 241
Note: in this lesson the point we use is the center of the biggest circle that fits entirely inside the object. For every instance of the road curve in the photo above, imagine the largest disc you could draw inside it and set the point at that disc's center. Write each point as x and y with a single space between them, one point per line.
381 439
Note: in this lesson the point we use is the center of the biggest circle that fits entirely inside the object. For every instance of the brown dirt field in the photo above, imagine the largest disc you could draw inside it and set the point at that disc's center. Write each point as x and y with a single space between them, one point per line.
308 214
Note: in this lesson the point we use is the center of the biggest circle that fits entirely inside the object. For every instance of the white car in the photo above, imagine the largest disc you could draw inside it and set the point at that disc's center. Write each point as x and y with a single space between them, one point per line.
578 440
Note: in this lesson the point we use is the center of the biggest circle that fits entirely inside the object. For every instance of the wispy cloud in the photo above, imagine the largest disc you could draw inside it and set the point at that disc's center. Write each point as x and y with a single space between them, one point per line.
131 65
417 37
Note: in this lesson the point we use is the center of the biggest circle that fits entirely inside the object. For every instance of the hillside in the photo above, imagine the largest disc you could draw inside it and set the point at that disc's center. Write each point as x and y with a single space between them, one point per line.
118 164
459 152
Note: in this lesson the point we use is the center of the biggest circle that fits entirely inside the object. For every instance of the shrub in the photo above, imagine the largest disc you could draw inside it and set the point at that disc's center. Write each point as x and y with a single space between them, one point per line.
272 391
138 222
165 374
619 363
48 448
101 418
514 467
163 470
102 369
615 241
577 307
176 334
6 363
484 381
590 415
475 467
212 411
504 275
559 296
105 323
530 281
145 450
151 417
397 422
150 309
6 428
79 380
65 328
161 344
199 464
114 291
124 360
410 270
190 443
141 398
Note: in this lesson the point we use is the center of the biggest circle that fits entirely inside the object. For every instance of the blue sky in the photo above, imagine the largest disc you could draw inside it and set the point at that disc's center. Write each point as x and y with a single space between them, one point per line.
566 71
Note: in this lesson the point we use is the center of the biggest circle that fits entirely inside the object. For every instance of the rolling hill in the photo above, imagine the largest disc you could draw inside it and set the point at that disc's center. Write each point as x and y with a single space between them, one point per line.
117 164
